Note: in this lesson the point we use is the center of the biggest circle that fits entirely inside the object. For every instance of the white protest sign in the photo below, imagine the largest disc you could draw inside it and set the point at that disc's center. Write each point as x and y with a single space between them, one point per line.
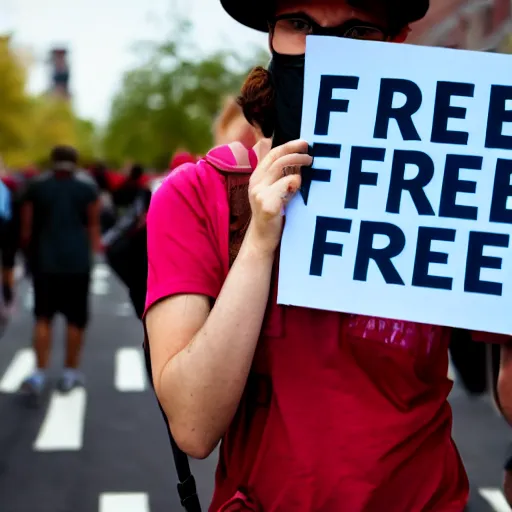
407 211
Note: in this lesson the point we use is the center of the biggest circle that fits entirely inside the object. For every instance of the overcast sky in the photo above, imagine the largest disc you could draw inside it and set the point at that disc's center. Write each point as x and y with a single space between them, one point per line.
100 35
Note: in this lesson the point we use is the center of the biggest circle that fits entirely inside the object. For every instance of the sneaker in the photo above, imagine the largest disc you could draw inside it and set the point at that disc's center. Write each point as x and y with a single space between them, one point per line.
32 387
70 380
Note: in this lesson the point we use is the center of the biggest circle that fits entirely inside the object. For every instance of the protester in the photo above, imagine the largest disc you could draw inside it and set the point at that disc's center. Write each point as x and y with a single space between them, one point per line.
126 248
317 410
5 229
107 207
125 195
5 202
60 228
180 158
9 243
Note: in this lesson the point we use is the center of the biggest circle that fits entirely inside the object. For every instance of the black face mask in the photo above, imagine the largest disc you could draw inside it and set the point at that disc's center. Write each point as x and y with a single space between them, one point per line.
287 73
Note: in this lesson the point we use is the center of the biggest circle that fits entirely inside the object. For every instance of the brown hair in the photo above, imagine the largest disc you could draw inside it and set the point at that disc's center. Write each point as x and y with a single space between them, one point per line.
257 100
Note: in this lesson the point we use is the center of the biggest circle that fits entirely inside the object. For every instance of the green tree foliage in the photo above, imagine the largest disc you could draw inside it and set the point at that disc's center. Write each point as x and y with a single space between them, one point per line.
14 102
31 126
170 101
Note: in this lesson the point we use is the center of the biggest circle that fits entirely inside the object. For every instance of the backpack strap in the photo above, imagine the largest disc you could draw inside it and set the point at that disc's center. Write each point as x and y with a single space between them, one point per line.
187 490
236 163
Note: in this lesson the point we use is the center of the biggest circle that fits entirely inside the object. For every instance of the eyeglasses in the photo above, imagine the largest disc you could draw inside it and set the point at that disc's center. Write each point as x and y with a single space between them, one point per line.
289 32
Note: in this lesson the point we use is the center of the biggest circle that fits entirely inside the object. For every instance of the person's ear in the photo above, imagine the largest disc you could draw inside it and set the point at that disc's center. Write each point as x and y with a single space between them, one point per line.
270 37
402 35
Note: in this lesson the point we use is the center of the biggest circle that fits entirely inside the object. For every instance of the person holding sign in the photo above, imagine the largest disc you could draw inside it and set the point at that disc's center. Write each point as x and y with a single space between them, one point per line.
318 411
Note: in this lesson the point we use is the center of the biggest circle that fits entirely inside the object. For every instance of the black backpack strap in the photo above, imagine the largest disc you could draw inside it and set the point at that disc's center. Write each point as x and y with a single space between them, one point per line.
186 483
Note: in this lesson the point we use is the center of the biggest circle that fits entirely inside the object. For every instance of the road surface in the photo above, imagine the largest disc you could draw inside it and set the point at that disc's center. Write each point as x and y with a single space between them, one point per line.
104 449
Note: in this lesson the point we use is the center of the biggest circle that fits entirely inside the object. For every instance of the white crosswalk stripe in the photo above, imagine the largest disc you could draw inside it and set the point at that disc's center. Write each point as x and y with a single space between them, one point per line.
129 375
100 279
21 366
63 426
124 309
495 498
28 299
124 502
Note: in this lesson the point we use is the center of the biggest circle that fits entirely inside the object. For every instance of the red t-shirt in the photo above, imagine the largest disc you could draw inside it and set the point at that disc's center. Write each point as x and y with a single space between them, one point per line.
341 412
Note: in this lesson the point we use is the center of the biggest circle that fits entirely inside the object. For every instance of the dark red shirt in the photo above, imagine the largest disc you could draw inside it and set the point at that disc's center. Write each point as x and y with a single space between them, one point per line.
341 412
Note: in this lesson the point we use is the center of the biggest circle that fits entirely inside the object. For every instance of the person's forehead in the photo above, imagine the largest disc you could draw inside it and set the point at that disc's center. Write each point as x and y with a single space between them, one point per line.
332 9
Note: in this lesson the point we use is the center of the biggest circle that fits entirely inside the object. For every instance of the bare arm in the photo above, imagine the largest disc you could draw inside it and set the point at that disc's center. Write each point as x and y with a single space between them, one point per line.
93 225
505 382
201 386
201 359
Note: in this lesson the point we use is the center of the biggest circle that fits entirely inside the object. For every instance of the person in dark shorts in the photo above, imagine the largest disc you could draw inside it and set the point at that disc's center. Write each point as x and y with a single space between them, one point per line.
61 228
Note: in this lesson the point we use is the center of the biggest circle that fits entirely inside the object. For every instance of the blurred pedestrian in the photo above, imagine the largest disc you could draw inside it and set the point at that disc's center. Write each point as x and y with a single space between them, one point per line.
9 243
5 221
181 157
60 228
124 196
107 208
126 249
5 202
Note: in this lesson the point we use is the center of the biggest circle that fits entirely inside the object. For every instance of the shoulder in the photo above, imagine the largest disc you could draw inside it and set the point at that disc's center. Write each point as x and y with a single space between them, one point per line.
44 177
200 187
85 179
39 181
185 185
208 171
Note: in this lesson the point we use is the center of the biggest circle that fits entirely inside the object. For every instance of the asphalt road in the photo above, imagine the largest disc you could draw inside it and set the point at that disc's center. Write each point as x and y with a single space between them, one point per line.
105 448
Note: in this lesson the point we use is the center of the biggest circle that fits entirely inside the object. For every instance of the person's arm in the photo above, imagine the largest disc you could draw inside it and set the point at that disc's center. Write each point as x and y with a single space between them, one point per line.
201 359
26 221
505 381
504 384
94 225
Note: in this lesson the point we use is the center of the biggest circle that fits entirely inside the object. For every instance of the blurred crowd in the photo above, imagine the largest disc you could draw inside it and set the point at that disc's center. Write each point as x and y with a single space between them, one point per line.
54 222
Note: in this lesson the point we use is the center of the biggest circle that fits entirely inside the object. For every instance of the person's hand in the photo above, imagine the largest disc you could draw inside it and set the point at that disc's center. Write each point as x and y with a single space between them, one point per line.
273 183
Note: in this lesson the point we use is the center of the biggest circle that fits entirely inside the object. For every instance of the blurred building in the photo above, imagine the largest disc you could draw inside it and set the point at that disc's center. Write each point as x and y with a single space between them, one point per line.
472 24
59 69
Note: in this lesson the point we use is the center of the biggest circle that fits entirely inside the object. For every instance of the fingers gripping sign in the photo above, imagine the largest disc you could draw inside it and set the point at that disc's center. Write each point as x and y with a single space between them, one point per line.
272 186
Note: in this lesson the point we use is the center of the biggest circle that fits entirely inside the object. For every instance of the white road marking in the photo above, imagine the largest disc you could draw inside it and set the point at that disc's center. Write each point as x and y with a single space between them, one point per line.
22 365
125 309
100 287
130 373
28 301
495 498
100 271
19 272
100 283
63 426
124 502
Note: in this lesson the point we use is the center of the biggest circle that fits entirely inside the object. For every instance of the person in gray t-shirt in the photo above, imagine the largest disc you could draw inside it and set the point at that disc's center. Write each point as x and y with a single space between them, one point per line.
60 230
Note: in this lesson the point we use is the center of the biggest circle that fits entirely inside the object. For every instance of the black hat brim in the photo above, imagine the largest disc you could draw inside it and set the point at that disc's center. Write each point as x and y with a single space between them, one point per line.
255 14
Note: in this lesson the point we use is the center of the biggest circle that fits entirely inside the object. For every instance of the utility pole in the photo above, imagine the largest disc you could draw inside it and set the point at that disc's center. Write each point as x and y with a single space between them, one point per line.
59 73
